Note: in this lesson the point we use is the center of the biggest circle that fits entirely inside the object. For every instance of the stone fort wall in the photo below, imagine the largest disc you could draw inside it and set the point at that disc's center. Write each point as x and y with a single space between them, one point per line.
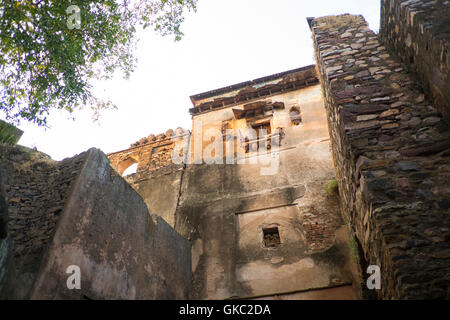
419 34
56 216
36 188
390 151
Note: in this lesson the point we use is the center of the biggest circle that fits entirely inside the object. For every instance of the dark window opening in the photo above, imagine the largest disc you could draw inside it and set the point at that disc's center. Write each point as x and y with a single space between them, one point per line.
295 115
271 237
262 129
260 135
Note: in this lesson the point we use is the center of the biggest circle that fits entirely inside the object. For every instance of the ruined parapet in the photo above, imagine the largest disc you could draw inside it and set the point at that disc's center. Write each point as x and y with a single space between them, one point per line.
419 33
9 134
264 114
122 251
246 92
79 212
152 153
390 150
159 162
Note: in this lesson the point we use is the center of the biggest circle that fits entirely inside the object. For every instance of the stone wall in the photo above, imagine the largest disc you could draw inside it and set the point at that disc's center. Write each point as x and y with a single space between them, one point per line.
151 154
419 33
224 216
224 209
5 246
122 251
81 212
161 191
391 157
158 178
37 189
3 212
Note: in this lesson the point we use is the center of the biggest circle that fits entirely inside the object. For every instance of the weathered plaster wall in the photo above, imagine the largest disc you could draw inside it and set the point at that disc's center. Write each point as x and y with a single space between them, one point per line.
345 292
160 161
160 192
390 152
419 33
223 208
122 251
151 153
202 149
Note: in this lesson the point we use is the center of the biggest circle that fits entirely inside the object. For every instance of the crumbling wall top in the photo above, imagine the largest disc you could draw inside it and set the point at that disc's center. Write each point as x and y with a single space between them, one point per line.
246 92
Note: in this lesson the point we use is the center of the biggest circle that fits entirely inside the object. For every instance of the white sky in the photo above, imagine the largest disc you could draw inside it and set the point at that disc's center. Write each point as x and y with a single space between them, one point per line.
225 42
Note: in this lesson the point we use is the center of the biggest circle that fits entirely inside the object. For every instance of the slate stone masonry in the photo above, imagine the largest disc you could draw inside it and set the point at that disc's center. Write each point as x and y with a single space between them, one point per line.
390 150
418 31
37 189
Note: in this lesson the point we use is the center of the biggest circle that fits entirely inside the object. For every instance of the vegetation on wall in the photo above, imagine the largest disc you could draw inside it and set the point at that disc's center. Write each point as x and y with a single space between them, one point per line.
332 188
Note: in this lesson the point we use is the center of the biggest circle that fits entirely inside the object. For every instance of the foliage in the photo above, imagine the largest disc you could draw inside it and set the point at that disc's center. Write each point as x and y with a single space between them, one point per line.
9 134
332 188
47 60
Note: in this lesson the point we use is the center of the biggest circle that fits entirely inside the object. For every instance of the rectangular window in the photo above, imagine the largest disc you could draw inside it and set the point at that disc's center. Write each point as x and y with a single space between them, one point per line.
271 237
262 128
262 131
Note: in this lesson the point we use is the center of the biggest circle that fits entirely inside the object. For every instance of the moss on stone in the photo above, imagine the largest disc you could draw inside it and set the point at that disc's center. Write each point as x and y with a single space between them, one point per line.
332 188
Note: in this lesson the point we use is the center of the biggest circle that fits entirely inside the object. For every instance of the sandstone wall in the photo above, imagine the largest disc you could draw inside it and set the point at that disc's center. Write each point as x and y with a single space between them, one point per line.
391 157
158 178
419 33
223 210
151 154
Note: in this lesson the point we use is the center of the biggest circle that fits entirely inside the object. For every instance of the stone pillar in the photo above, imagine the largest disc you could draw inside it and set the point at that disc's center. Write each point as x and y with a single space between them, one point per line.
390 150
419 33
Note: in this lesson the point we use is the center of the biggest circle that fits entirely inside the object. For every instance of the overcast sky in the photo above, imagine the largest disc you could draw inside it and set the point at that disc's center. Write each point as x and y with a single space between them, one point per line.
225 42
